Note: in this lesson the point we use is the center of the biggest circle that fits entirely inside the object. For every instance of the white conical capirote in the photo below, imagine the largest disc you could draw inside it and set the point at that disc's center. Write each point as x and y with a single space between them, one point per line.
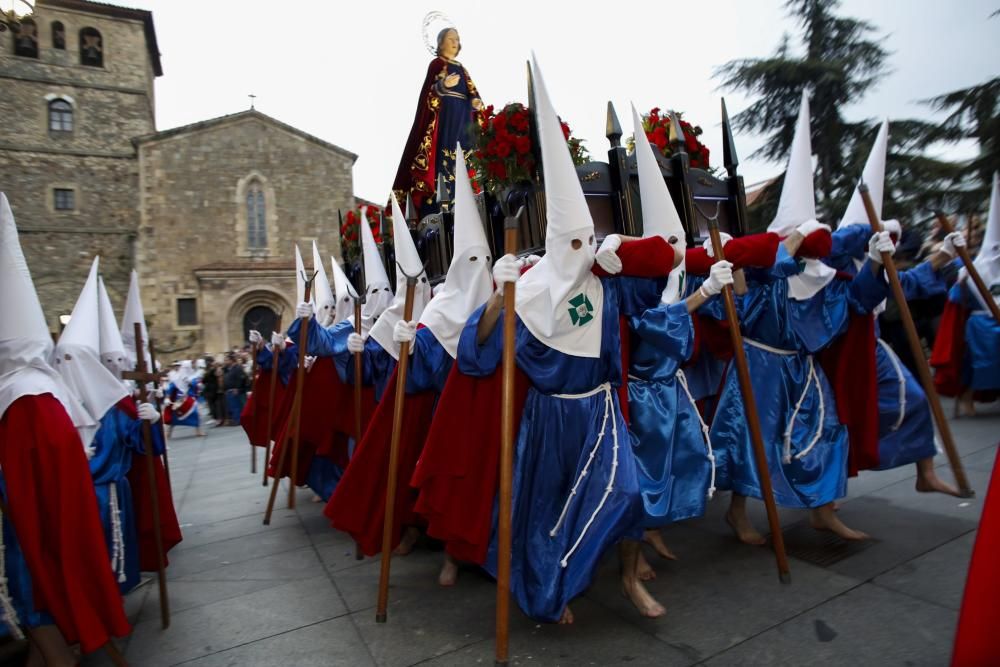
559 300
112 347
344 293
375 275
469 283
84 324
322 295
134 313
988 259
659 215
798 201
23 318
407 262
873 176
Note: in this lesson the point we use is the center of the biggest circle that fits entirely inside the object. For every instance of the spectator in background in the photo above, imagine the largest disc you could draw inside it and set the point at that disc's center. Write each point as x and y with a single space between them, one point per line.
211 390
235 384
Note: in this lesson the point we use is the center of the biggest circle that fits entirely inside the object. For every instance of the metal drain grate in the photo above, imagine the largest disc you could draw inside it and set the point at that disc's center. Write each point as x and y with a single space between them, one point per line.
820 547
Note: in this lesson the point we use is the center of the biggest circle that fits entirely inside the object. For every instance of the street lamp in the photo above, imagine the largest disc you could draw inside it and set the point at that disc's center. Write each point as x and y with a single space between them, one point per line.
12 11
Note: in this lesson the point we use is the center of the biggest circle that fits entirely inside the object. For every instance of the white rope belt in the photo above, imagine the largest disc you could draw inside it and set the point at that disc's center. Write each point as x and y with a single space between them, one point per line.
6 606
608 414
811 377
117 537
682 379
902 383
768 348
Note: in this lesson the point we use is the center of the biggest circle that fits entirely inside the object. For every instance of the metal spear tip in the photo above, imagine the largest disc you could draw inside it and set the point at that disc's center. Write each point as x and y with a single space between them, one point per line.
862 186
513 221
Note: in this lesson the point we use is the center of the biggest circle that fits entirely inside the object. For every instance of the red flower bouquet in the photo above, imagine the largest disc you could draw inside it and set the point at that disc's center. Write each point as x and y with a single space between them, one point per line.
350 232
657 128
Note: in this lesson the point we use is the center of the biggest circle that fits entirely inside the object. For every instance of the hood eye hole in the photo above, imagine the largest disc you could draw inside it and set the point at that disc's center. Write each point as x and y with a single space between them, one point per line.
576 244
672 240
473 258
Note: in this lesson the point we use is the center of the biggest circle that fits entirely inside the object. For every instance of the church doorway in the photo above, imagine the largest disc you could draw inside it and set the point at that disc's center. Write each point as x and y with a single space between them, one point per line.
259 318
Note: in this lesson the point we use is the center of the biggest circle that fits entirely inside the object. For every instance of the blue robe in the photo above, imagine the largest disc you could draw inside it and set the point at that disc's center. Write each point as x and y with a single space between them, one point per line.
675 470
286 364
790 389
193 419
19 589
571 401
981 362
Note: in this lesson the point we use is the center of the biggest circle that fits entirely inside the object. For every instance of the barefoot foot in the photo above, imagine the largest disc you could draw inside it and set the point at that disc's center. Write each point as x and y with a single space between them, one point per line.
932 483
744 530
643 569
823 518
410 535
645 603
655 540
449 572
567 617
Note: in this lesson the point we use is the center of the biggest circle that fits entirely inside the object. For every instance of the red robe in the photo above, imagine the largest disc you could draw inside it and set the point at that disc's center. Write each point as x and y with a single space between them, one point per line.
253 419
53 508
949 349
138 480
322 393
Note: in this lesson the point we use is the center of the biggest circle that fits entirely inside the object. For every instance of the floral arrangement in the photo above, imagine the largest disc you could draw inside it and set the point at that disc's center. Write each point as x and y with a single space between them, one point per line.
658 132
350 232
503 154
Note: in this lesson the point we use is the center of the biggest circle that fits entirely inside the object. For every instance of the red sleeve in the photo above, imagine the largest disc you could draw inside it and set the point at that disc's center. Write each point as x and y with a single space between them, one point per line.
755 250
949 347
643 258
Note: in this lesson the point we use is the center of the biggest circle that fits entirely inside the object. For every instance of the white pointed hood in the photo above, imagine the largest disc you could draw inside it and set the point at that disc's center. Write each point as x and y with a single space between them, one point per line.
378 291
25 342
659 215
469 282
322 295
407 261
134 313
988 259
874 177
559 300
344 293
77 359
111 348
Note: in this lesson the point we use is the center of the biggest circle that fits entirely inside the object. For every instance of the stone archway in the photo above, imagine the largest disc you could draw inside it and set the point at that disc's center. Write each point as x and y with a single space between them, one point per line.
255 308
260 318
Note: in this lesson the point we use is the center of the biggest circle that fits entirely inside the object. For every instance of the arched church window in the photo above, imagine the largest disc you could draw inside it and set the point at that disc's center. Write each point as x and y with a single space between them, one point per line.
58 35
26 39
256 217
91 48
60 116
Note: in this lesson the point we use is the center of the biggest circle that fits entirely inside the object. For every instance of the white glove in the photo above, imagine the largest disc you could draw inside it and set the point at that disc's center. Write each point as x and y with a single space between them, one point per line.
878 244
148 412
255 337
304 310
710 249
507 269
810 226
404 332
158 393
951 242
720 275
309 361
531 260
355 343
277 341
607 254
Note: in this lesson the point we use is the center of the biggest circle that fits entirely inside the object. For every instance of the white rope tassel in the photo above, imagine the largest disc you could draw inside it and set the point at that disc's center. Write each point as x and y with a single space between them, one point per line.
811 377
902 383
704 430
7 607
117 537
608 410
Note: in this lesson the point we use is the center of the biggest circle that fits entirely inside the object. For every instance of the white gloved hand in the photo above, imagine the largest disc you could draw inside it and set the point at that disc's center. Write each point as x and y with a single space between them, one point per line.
531 260
404 332
878 244
255 337
309 361
278 341
304 310
720 275
710 249
158 393
607 254
148 412
507 269
355 343
951 242
810 226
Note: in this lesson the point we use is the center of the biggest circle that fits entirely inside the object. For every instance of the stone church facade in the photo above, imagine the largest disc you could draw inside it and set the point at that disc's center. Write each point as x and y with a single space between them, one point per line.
207 213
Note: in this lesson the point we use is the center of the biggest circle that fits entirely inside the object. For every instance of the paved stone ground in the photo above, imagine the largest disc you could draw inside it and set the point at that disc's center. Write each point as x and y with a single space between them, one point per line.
292 593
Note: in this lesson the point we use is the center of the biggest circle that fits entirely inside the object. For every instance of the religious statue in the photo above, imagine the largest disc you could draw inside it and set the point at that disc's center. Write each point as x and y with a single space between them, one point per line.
445 114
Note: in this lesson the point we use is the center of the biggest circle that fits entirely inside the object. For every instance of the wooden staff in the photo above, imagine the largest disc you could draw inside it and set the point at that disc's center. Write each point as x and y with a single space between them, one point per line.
293 441
357 376
917 350
505 508
142 377
159 424
275 378
963 252
381 614
753 419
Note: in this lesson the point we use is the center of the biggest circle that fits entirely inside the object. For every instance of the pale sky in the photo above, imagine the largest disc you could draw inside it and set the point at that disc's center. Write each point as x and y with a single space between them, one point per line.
350 72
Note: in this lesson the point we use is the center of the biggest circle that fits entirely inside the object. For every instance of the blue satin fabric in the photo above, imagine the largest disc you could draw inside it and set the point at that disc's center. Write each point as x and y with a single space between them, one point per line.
116 439
982 358
192 419
323 477
19 578
554 443
849 243
289 361
914 439
670 451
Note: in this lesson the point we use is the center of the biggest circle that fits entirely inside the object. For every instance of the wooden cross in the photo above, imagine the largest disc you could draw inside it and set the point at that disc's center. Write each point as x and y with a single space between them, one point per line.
141 377
163 436
252 98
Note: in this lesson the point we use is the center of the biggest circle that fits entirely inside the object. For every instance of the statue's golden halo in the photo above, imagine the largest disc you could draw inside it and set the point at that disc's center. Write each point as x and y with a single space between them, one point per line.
434 22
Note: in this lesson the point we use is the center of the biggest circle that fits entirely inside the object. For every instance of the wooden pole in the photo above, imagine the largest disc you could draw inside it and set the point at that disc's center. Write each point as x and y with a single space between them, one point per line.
917 350
115 654
292 442
977 279
275 379
381 614
159 424
753 419
357 376
147 439
505 507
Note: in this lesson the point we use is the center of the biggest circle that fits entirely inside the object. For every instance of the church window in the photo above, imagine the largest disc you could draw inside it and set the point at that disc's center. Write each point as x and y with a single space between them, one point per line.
256 217
187 312
26 39
64 199
91 48
60 116
58 35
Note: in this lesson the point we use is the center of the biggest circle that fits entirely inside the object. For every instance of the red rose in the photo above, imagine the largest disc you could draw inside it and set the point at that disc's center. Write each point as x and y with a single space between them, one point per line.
660 137
500 123
565 130
504 148
522 145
